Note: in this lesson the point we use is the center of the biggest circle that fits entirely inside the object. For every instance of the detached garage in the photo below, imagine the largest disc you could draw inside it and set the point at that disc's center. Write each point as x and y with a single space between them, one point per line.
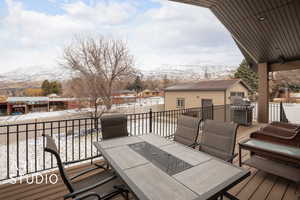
204 93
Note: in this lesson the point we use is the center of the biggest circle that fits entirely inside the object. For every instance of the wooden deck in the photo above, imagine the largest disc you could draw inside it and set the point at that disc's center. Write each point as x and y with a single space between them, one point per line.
259 186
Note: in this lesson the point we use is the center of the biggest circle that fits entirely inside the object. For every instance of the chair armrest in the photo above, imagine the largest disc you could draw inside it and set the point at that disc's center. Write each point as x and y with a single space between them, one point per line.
230 159
91 187
87 171
194 145
76 161
89 195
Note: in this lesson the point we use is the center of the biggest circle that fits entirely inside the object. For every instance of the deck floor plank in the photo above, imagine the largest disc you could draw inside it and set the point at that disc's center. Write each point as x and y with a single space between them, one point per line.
279 189
292 192
247 192
265 188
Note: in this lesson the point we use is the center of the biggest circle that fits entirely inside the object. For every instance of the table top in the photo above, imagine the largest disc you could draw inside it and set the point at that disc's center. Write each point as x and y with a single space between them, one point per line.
202 177
272 147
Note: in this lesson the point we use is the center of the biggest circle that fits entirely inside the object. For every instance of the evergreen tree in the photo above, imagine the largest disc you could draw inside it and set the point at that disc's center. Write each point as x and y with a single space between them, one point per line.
247 75
55 87
46 87
137 85
51 87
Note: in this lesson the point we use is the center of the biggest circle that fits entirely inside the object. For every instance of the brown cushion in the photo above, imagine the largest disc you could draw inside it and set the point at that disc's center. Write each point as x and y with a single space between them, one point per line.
278 132
290 126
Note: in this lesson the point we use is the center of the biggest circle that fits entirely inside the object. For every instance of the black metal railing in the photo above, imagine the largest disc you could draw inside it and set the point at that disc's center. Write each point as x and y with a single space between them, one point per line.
22 145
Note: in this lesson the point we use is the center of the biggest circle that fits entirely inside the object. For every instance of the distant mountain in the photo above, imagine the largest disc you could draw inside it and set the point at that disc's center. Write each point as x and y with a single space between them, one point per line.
34 73
180 72
191 72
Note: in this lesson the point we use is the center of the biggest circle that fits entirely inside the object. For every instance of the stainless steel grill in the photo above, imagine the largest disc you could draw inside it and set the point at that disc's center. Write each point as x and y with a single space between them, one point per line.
241 111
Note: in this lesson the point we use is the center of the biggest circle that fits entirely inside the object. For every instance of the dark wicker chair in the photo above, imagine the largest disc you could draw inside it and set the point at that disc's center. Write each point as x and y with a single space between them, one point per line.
103 185
279 132
113 126
218 139
187 131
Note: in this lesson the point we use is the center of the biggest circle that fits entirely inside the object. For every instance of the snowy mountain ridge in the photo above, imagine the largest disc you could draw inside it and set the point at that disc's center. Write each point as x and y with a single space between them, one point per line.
35 73
183 72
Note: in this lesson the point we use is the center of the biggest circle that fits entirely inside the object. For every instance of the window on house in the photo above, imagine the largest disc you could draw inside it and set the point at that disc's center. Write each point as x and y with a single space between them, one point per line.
237 94
180 102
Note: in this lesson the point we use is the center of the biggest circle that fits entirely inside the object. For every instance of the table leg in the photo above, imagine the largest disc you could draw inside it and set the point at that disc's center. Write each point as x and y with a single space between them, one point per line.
230 196
240 156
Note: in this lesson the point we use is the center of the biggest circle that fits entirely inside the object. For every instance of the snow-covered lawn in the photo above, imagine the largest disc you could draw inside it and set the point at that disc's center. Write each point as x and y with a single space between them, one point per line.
142 105
40 115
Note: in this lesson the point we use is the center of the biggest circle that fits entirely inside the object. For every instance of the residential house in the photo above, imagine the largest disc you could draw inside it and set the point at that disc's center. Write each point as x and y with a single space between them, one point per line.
123 96
204 93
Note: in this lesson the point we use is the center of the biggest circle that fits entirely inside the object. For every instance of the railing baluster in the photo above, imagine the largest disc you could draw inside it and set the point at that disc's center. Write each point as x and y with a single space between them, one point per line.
91 143
26 135
79 139
51 132
43 138
97 128
7 151
85 142
35 146
150 121
135 124
66 140
58 136
130 121
73 140
160 133
18 158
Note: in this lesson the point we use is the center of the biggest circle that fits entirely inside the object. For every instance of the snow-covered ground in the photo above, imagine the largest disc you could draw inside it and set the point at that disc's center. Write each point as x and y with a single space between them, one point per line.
140 106
40 115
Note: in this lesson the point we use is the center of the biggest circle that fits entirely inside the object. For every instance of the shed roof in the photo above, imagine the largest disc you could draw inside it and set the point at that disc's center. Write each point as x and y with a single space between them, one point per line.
211 85
264 30
27 99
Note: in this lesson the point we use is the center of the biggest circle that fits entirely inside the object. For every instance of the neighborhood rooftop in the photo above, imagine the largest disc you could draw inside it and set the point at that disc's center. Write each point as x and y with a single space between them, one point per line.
26 99
211 85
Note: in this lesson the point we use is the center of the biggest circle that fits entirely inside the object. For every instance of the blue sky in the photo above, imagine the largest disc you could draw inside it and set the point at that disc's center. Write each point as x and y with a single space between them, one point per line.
158 32
54 6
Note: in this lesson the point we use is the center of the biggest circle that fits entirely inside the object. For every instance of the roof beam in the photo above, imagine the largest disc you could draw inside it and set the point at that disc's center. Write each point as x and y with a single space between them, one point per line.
244 48
292 65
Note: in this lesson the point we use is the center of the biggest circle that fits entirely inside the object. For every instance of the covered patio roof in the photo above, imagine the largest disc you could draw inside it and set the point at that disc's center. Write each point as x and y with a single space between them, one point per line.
266 31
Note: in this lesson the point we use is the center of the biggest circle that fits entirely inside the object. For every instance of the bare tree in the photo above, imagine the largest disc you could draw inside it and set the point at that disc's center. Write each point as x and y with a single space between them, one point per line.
285 79
98 64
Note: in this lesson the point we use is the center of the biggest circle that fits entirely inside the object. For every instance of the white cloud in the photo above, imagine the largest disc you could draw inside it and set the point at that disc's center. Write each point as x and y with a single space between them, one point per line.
171 34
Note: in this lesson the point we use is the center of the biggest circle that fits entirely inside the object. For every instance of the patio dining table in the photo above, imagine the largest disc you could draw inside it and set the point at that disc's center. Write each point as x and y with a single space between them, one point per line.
156 168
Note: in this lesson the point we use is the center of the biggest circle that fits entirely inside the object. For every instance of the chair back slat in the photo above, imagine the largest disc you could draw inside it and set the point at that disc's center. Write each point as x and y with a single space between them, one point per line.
187 130
113 126
218 138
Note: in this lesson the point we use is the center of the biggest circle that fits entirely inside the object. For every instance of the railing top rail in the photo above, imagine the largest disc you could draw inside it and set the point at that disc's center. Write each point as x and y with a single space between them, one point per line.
89 118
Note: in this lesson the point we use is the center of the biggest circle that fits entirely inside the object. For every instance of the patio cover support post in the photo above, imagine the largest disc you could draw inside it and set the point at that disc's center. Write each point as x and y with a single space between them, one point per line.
263 91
